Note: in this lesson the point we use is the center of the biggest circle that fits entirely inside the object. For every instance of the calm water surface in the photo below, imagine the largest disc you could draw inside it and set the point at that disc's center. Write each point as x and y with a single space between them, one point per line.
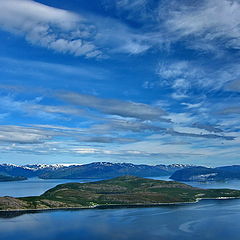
33 186
209 219
206 220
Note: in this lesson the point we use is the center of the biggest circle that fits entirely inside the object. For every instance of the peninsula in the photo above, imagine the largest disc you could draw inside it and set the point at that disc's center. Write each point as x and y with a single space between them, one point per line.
119 191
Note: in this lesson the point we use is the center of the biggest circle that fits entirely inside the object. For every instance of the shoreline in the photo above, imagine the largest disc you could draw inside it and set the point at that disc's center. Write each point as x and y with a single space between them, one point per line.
112 206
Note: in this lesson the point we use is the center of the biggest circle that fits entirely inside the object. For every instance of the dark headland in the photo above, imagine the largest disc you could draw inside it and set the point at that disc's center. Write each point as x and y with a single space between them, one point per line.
4 178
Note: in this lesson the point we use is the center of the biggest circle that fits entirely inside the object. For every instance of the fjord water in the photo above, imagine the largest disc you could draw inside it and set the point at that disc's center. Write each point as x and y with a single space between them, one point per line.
33 186
208 219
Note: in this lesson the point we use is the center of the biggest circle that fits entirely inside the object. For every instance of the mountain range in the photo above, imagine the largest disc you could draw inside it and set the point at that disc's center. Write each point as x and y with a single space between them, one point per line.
103 170
92 170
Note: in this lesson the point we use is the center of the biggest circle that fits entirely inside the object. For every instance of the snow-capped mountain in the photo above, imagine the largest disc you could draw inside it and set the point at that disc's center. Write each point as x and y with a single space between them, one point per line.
92 170
37 167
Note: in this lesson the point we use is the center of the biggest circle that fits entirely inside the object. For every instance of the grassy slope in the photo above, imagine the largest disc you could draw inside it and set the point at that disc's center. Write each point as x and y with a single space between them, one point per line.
126 190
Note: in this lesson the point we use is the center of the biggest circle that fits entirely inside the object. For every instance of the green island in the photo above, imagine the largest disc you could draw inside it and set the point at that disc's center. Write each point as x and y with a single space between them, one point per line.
117 192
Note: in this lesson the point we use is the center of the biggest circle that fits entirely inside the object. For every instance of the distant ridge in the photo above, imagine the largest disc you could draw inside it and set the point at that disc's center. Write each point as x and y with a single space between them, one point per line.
207 174
99 170
4 178
92 170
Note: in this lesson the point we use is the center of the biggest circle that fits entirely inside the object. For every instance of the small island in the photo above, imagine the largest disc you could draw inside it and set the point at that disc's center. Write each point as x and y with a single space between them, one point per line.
117 192
4 178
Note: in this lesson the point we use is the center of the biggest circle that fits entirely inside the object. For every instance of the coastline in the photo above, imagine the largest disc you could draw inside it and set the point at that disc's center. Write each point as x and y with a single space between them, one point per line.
112 206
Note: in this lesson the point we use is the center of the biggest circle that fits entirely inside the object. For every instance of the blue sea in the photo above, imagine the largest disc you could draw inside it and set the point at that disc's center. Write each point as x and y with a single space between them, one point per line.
208 219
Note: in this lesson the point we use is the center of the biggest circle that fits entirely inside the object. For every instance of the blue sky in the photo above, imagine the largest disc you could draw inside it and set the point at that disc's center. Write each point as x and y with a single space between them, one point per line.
120 80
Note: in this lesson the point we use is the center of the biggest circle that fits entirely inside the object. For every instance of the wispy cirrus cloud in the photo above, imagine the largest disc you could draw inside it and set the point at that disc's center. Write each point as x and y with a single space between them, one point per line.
207 25
233 85
48 134
23 135
42 70
63 31
211 26
86 142
230 110
207 127
49 27
118 117
192 82
187 74
115 107
208 136
35 108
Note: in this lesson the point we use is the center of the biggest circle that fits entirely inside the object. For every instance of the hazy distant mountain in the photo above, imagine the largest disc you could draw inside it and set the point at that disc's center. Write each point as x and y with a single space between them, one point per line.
207 174
92 170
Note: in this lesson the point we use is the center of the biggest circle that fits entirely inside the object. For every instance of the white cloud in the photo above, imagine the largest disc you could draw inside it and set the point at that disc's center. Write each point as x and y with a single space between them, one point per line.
114 107
125 40
34 108
182 118
181 87
183 76
192 105
208 25
23 135
178 95
175 69
66 32
49 27
206 21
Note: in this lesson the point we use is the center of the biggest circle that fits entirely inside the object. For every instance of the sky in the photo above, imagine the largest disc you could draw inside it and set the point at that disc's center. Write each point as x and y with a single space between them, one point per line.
140 81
